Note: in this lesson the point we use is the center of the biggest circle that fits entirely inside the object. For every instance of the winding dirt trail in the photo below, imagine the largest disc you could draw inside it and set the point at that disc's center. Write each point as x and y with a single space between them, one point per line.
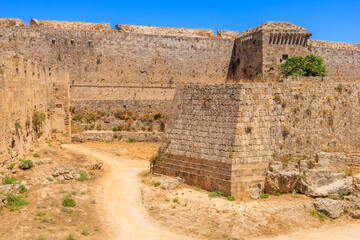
125 214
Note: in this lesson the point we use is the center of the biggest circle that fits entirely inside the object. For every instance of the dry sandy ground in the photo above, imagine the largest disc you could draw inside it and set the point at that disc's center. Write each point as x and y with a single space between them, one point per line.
137 210
121 203
125 214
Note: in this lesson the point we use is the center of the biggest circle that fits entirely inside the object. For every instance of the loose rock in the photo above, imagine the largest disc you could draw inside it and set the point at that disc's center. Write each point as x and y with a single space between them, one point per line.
331 208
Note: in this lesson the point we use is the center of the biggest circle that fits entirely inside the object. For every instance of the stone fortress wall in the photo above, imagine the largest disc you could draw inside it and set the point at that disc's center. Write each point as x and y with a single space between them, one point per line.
117 66
27 88
341 59
224 136
93 68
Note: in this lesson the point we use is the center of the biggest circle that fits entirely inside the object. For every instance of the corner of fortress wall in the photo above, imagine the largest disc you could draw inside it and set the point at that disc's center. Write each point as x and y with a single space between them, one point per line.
240 128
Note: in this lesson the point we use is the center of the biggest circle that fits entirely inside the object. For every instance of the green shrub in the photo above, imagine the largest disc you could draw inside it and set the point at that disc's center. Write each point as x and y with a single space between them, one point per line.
216 193
12 166
69 202
115 128
17 125
131 140
277 194
231 198
9 180
264 195
83 177
299 66
14 202
26 164
175 200
156 184
36 155
22 189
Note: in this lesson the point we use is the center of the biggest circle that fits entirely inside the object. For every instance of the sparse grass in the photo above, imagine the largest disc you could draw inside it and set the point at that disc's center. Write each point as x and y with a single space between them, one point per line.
69 202
321 216
175 200
50 179
70 236
36 155
231 198
216 193
83 177
14 202
9 180
285 159
12 166
156 184
22 189
350 171
277 194
44 219
264 195
41 237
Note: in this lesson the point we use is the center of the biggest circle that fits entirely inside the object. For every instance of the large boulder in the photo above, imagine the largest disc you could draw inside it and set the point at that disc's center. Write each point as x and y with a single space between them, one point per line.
282 181
331 208
323 183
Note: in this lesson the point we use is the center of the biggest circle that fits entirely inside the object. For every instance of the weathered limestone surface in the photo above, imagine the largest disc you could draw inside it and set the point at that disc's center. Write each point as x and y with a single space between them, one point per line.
332 208
11 22
26 88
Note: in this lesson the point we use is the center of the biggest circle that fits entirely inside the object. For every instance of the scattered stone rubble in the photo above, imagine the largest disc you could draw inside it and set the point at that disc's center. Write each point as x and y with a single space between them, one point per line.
167 183
97 165
66 173
323 178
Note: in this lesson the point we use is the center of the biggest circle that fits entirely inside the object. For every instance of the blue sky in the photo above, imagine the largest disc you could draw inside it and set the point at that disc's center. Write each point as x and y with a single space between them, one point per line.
327 20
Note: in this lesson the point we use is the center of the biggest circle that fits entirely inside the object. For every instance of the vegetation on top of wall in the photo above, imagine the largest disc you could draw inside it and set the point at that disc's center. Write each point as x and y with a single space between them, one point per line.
311 65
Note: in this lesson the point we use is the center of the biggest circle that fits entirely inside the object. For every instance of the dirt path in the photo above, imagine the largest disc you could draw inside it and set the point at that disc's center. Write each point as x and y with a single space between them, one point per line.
346 232
125 214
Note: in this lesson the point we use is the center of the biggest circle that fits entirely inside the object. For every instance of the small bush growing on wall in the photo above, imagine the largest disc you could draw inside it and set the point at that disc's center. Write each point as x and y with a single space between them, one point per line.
311 65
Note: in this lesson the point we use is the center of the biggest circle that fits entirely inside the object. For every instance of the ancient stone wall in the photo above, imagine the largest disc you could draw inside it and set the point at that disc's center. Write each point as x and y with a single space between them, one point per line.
340 59
227 34
70 25
28 91
185 32
224 136
125 66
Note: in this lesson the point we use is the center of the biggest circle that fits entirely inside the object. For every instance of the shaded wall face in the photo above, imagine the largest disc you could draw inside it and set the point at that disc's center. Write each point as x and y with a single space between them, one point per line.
28 90
246 64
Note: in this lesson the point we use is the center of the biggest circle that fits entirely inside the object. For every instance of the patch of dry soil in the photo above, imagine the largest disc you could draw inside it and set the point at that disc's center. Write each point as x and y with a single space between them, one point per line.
122 197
